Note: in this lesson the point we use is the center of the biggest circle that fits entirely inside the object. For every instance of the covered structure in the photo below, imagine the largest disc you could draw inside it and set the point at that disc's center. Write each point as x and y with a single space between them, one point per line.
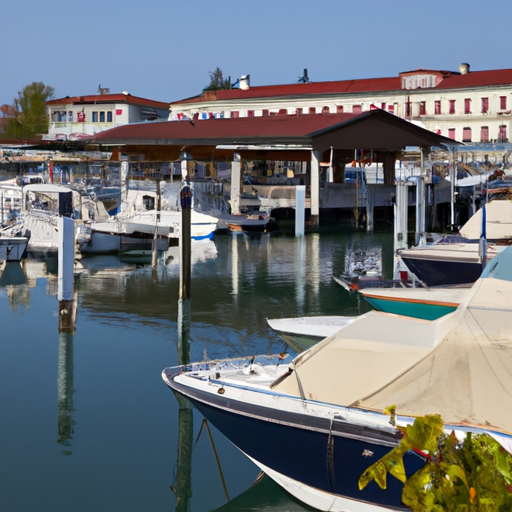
318 138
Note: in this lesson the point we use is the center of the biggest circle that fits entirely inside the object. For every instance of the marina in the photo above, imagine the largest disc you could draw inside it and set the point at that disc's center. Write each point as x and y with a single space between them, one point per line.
88 423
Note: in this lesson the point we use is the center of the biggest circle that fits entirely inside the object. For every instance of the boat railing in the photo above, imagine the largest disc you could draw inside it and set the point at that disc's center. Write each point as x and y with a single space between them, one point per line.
45 216
218 366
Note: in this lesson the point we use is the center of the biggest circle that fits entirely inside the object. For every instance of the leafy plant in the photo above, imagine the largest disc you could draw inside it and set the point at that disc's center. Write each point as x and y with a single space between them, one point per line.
472 475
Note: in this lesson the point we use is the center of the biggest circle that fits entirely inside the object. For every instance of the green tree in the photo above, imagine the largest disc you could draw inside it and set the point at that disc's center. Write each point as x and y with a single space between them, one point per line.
31 119
217 81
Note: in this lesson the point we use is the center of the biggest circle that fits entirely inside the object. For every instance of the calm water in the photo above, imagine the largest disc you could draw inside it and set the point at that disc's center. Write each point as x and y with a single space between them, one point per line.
86 422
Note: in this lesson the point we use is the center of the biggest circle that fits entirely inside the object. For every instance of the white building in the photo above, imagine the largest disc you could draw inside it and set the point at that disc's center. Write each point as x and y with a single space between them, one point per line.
468 106
79 117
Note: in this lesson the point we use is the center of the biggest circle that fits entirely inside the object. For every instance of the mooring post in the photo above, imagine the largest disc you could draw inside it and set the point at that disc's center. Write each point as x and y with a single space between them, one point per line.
185 241
66 264
300 209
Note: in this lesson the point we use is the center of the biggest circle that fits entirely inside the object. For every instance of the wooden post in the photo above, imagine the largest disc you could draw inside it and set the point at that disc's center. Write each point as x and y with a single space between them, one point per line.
185 241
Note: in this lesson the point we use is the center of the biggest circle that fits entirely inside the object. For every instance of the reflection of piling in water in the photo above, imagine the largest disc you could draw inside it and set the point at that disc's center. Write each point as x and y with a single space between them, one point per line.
183 485
65 388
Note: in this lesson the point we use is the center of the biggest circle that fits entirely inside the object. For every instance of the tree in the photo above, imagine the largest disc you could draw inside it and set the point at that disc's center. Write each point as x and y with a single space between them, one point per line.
31 118
217 81
469 475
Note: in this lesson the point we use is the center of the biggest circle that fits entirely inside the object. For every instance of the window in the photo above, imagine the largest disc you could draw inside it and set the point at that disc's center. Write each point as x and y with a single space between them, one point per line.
283 111
235 113
451 133
250 113
407 107
356 109
437 107
312 110
467 106
102 116
466 134
452 107
95 117
502 135
485 105
70 116
383 106
484 134
264 112
423 109
503 102
109 116
325 110
339 109
391 109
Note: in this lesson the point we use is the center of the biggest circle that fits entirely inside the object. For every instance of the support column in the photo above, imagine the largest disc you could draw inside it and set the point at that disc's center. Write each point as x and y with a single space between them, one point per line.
400 225
315 189
420 210
300 206
235 185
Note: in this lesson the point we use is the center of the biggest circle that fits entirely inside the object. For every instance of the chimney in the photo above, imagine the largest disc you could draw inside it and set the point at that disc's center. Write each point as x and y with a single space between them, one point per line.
464 68
245 82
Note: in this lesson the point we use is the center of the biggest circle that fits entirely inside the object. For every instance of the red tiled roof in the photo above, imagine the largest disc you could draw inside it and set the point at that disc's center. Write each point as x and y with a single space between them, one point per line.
285 126
372 129
451 80
108 98
299 89
478 79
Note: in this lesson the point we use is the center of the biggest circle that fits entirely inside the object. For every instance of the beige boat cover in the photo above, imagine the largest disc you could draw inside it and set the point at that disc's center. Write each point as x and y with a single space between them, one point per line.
498 221
459 366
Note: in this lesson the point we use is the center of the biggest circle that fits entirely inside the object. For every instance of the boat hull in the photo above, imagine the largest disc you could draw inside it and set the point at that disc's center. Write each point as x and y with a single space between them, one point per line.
326 455
415 309
12 248
437 272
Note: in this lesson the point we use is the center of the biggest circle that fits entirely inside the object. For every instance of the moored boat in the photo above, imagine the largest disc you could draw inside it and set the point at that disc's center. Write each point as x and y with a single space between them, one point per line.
316 423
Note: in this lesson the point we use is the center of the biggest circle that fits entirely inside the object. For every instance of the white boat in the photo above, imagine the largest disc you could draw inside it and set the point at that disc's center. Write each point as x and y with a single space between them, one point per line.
136 231
12 248
315 424
302 332
42 205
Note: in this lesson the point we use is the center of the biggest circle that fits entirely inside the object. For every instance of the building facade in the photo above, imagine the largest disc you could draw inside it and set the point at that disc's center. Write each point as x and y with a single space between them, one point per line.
474 107
79 117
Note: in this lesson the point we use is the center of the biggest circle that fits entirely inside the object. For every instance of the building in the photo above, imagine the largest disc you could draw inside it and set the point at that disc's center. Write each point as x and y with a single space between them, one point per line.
474 107
80 117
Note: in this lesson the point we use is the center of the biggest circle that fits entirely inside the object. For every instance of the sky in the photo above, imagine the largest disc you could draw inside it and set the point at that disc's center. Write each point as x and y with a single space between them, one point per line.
165 49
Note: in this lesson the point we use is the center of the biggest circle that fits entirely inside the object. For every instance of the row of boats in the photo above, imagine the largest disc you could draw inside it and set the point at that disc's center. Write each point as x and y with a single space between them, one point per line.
315 423
30 214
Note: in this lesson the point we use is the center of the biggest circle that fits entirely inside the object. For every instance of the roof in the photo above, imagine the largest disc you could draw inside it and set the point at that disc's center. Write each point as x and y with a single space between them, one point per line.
299 89
108 98
451 80
477 79
375 129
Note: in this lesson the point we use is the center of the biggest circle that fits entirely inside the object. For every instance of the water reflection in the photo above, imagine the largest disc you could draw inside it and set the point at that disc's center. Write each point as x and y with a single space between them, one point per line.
121 434
263 495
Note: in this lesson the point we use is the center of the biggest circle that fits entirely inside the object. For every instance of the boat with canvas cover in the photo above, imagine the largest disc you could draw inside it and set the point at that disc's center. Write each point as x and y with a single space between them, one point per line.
316 423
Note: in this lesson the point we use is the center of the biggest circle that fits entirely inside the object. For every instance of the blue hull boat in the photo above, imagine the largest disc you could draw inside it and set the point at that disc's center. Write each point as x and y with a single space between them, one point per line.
316 423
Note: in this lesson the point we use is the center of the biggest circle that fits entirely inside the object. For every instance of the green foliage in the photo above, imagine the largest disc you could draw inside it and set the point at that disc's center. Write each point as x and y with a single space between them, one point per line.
31 115
473 475
217 81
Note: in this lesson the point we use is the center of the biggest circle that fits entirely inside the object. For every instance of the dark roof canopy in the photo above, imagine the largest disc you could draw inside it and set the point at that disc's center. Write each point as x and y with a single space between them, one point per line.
376 129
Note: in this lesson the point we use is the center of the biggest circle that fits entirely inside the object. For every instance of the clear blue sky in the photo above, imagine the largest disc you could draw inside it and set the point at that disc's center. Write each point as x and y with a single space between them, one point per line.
164 50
